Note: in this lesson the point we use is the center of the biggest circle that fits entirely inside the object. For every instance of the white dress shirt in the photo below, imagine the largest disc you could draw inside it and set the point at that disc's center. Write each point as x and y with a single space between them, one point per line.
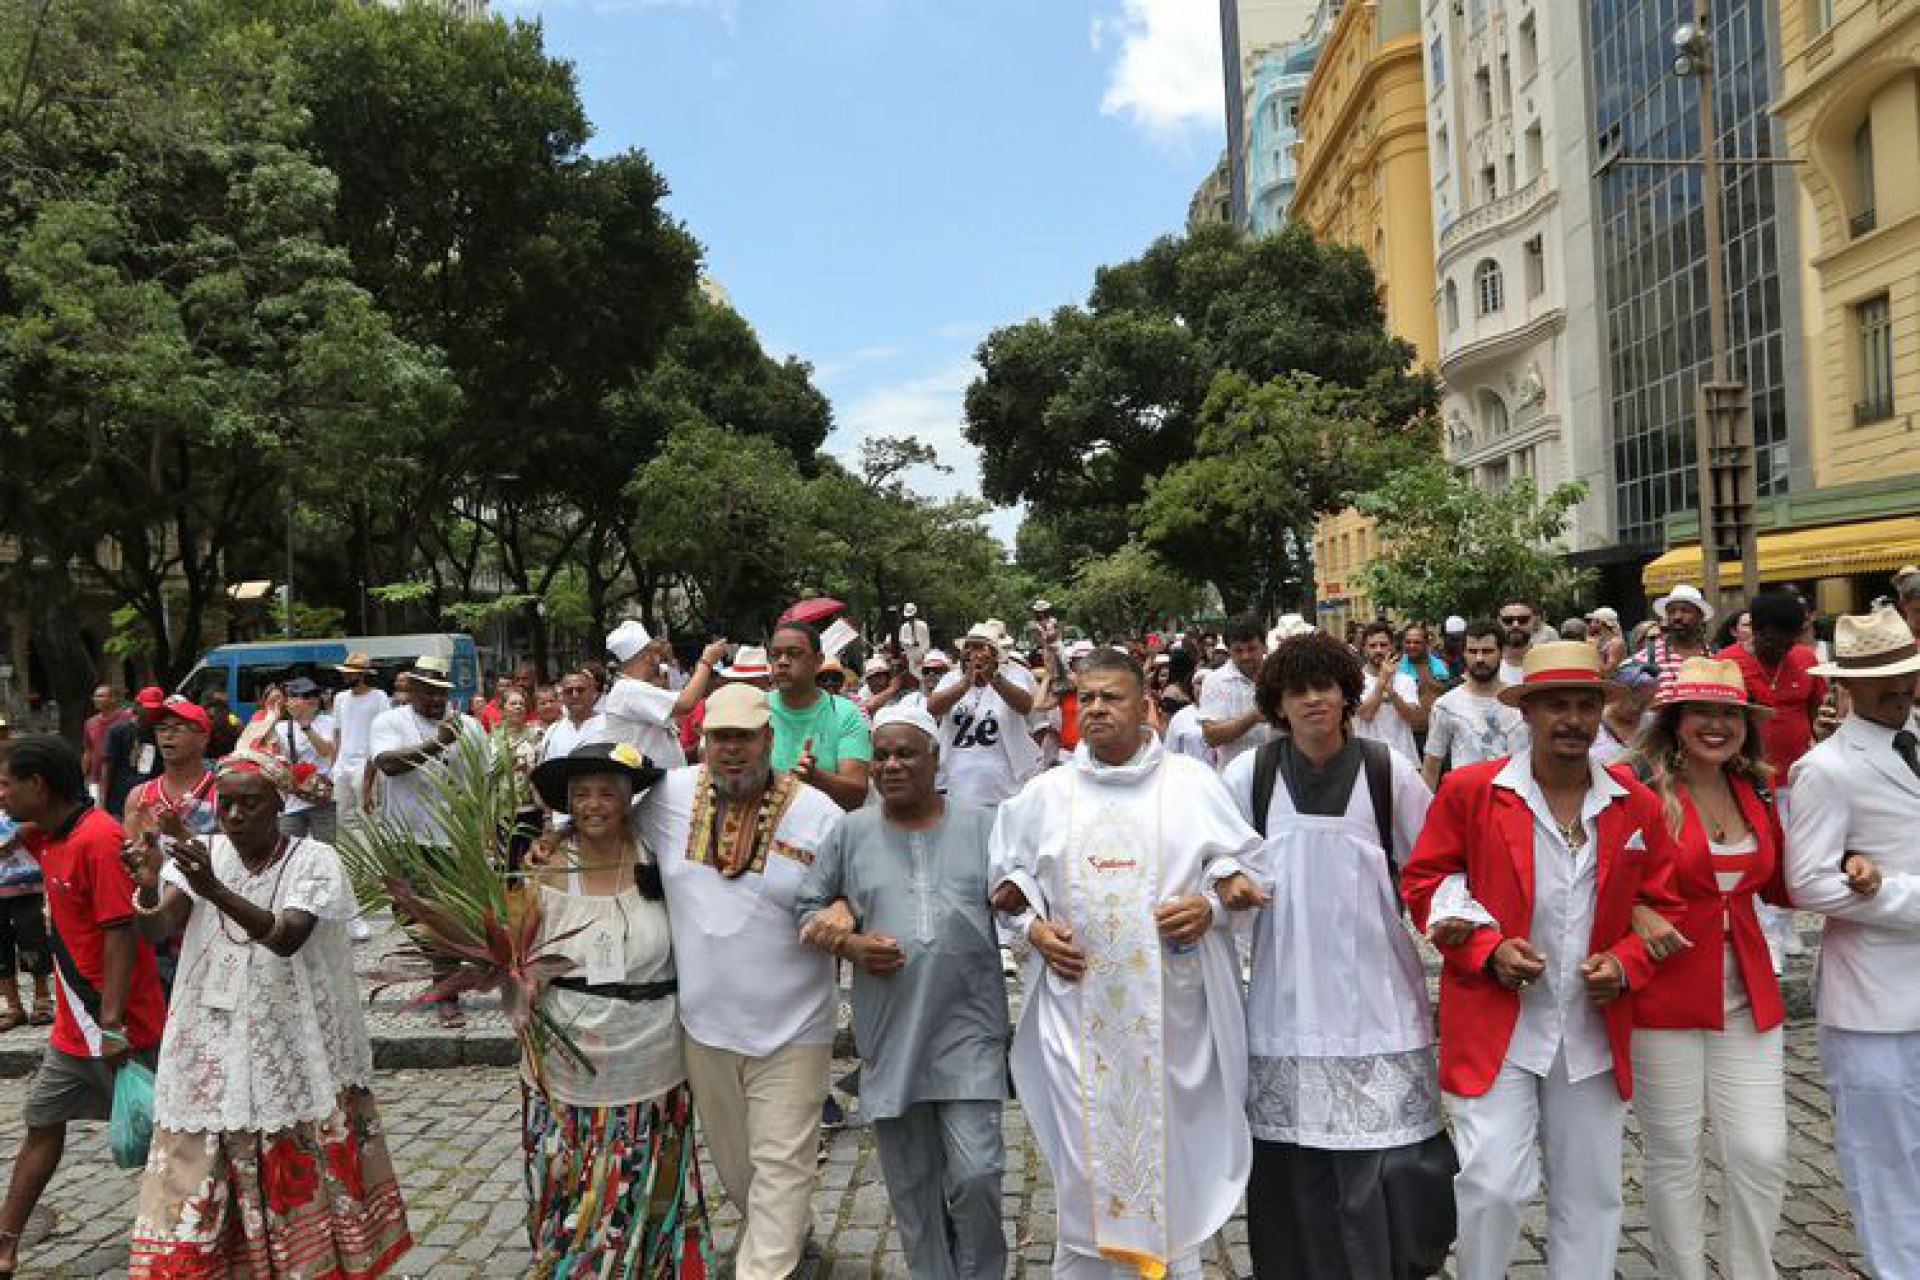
1555 1012
1854 794
1228 695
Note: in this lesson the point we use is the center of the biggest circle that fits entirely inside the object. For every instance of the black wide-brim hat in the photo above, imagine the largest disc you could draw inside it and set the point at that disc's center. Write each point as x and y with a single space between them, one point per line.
552 777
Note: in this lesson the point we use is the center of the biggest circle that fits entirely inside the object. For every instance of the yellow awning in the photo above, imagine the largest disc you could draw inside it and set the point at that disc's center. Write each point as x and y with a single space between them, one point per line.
1831 551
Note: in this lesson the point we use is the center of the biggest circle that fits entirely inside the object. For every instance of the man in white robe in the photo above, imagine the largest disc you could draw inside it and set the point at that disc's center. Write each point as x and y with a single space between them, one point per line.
1131 1054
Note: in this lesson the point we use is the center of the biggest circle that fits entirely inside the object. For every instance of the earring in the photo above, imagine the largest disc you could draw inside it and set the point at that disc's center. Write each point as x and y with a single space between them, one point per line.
1676 760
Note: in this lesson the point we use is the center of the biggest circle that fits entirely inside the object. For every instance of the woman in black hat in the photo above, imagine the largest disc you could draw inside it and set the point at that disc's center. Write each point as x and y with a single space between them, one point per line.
611 1173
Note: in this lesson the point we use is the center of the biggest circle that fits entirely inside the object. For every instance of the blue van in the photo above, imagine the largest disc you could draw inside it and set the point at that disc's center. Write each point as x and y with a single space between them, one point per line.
242 671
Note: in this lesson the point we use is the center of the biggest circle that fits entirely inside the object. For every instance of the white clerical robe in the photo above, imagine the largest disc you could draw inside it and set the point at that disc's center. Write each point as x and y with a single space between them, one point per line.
1134 1078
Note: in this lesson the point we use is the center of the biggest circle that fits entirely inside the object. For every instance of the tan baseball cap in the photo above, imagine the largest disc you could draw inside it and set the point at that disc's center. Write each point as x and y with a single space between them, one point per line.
737 706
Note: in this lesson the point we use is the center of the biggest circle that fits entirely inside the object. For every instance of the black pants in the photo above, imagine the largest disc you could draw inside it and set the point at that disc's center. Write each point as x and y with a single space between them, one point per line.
23 936
1351 1215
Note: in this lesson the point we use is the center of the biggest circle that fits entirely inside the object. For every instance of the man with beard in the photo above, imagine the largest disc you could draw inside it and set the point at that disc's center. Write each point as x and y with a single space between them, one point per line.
1528 870
1469 723
1230 718
1131 1056
1517 625
1851 855
733 838
1684 614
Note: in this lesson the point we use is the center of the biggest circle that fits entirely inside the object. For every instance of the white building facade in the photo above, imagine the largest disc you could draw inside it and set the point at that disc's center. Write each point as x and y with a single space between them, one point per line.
1518 323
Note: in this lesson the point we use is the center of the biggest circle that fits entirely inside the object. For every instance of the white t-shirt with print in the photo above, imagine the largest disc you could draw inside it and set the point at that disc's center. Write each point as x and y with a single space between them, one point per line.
1468 728
986 748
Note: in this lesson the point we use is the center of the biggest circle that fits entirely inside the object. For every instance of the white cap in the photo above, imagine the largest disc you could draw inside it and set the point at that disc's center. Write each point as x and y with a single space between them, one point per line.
910 612
877 666
936 658
627 640
1079 649
1455 625
918 717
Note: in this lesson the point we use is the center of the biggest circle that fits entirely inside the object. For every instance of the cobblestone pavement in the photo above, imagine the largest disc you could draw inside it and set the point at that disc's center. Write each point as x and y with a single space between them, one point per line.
454 1134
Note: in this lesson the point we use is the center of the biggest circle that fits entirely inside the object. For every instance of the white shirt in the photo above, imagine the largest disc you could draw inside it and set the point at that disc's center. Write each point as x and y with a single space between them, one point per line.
1853 794
1511 672
1466 728
1185 738
746 984
987 751
641 714
1228 695
295 746
563 735
409 798
1555 1013
1388 724
355 714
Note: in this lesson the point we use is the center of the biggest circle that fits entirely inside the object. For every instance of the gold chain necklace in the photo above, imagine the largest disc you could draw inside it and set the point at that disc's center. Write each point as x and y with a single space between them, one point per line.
1574 833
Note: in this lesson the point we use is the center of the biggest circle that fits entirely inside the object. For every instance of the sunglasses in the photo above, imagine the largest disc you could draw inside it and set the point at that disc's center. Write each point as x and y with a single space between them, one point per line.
1516 619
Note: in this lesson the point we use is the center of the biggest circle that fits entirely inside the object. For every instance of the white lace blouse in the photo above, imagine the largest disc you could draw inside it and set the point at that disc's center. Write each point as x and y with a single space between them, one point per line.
256 1041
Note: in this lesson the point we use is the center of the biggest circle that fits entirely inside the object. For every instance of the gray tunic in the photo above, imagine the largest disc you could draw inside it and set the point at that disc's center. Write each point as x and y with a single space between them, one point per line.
936 1030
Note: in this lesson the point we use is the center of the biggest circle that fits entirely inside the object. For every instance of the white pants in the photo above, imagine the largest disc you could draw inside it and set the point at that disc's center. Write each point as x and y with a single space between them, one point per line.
1495 1135
1874 1079
1069 1264
761 1121
1734 1081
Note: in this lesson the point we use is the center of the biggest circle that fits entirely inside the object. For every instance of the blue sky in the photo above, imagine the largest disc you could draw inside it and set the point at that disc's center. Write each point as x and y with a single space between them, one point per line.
878 183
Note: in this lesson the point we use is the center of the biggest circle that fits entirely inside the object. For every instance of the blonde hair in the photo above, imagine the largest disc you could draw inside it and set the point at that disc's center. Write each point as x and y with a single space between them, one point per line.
1658 759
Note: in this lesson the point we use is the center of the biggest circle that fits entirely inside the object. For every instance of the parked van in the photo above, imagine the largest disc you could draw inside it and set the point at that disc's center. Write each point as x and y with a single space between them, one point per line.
242 671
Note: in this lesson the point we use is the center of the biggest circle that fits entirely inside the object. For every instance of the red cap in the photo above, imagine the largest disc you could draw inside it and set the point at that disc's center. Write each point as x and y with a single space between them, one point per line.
151 697
187 710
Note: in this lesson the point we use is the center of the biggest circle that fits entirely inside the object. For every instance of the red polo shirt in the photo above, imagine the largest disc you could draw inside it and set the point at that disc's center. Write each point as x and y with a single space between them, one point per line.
87 892
1793 693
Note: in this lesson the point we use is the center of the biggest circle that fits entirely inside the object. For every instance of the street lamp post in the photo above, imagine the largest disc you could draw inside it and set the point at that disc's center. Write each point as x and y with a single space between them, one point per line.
1723 406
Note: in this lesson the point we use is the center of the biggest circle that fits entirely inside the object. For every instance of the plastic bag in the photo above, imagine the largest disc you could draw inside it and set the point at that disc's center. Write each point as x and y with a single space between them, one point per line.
130 1132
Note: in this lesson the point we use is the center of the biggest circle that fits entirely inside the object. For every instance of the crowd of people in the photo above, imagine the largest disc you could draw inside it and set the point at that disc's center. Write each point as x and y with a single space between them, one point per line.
1219 861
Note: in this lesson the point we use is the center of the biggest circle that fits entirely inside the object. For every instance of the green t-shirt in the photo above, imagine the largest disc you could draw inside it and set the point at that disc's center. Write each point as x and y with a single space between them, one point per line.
838 730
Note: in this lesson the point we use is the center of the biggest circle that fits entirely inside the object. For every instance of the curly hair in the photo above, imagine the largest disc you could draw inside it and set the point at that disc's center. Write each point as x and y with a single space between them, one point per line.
1302 663
1656 757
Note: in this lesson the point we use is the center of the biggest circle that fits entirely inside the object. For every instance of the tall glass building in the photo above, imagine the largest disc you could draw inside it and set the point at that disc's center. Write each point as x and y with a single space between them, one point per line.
1650 247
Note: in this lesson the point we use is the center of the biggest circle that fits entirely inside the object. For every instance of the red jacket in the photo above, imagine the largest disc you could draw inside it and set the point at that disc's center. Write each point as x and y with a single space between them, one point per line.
1690 994
1487 832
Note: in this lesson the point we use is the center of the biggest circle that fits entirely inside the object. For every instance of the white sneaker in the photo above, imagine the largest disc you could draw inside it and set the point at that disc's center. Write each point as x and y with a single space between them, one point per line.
359 930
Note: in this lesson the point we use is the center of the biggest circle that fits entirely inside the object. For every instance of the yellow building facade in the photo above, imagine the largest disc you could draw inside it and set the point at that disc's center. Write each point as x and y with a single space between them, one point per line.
1850 106
1364 181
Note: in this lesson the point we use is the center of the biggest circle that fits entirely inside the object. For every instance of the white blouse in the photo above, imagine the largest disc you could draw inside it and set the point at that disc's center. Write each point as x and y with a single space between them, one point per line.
634 1045
257 1042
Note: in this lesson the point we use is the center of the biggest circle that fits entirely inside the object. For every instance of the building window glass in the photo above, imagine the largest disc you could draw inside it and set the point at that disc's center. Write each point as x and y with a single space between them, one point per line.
1819 15
1489 287
1483 93
1529 47
1489 183
1874 320
1451 304
1863 219
1536 267
1437 63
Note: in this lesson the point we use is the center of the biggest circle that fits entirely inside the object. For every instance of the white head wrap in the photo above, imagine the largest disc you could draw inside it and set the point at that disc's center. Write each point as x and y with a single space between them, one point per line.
916 717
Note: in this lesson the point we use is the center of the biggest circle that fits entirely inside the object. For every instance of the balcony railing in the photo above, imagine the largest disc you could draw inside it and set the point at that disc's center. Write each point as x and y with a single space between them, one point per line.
1493 212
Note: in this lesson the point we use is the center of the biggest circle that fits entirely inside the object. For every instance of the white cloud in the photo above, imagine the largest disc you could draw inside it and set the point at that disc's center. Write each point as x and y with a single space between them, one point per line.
1166 75
928 407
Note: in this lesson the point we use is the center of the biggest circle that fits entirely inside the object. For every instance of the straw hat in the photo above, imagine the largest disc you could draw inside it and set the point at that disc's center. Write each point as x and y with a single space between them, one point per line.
1559 664
1713 682
1875 644
357 664
749 663
432 669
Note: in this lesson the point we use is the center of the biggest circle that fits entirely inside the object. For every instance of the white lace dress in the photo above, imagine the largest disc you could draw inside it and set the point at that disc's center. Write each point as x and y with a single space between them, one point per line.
255 1041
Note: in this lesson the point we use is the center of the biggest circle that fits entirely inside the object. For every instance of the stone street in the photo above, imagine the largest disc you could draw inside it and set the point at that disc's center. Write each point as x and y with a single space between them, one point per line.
455 1136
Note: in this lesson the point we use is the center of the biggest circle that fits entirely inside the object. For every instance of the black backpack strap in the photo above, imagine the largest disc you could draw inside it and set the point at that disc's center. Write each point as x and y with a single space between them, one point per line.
1266 772
1376 766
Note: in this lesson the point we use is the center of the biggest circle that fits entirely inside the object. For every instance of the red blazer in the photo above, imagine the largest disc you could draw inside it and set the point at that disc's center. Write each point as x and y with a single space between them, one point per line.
1487 832
1689 992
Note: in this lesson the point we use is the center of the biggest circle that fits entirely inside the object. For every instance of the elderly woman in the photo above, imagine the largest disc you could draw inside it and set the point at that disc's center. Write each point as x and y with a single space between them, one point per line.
613 1187
268 1156
1707 1048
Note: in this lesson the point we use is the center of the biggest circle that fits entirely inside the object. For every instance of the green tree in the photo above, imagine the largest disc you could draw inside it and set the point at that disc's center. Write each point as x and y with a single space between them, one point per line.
1075 413
1129 593
1450 546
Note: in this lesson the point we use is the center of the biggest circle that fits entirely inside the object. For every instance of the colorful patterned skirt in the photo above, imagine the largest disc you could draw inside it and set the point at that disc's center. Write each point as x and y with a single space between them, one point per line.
314 1202
614 1191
